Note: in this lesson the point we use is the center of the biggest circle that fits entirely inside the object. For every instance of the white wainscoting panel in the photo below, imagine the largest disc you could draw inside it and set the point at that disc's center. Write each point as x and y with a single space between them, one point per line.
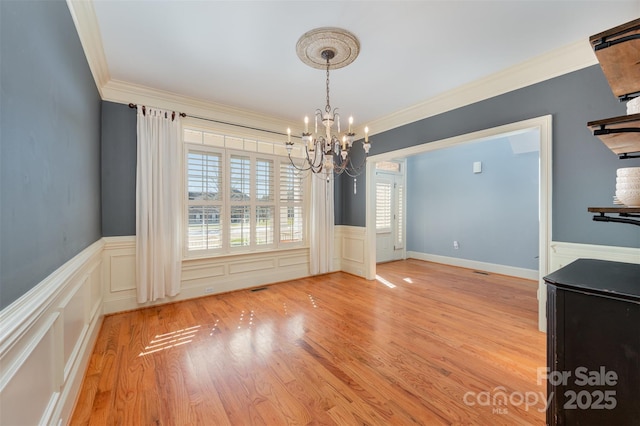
200 276
350 245
46 339
562 254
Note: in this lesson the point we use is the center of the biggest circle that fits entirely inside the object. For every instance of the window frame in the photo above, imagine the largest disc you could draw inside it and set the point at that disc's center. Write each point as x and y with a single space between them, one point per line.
277 159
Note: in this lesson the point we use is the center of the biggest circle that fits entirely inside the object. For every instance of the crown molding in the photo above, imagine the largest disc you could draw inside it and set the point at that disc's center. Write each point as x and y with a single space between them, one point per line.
124 93
84 18
557 62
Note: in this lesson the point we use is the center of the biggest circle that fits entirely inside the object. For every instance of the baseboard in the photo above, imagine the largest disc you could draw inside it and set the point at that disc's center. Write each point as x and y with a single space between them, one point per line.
46 341
530 274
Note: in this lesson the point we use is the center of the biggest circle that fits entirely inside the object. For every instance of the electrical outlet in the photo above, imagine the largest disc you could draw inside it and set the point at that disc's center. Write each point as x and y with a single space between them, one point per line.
456 246
208 290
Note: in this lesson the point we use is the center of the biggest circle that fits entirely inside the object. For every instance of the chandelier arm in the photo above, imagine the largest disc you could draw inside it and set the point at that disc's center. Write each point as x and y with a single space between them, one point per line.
357 171
315 166
315 155
342 167
299 168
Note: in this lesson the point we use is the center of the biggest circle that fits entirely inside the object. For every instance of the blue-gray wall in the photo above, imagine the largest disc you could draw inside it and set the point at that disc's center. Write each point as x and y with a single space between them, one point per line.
583 168
118 169
50 149
493 215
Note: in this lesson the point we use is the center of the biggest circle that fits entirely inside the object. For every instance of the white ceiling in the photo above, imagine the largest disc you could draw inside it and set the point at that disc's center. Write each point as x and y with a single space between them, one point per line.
242 53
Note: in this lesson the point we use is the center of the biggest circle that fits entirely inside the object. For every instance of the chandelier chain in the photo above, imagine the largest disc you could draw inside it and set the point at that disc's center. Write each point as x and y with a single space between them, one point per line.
328 107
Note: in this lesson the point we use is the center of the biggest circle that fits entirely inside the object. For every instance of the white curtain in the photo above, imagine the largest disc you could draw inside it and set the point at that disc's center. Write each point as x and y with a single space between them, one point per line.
158 205
321 224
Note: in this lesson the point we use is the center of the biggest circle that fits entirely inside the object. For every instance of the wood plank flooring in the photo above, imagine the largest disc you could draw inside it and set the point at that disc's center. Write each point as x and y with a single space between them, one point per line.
424 344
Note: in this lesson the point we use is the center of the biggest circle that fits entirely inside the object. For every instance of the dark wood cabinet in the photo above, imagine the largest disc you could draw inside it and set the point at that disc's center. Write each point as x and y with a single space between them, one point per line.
593 344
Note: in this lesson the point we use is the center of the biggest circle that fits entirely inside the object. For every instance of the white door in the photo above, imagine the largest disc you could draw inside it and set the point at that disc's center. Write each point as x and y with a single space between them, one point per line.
390 215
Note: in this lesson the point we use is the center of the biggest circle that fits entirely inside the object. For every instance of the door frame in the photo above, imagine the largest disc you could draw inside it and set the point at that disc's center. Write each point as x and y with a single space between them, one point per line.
403 177
544 126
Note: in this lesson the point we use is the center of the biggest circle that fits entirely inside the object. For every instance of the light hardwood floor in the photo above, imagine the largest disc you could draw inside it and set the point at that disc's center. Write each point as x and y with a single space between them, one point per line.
425 344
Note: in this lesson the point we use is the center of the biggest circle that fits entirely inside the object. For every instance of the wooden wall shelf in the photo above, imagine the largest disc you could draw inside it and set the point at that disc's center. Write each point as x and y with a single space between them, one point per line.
618 50
625 214
620 134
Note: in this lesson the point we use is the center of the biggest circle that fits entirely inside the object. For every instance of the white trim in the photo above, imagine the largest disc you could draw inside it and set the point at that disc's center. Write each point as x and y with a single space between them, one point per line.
544 125
529 274
86 22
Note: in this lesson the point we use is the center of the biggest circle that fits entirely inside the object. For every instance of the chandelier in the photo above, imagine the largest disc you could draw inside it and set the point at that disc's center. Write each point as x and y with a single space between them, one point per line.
328 151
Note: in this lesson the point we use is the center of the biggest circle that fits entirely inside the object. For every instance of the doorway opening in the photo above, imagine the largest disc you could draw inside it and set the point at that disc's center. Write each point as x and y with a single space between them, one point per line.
390 210
544 127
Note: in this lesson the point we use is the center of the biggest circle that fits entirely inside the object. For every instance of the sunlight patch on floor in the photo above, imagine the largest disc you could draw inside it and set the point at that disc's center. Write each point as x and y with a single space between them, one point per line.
169 340
385 282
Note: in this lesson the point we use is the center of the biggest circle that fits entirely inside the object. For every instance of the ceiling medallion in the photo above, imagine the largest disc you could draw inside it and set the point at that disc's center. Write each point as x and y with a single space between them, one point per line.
328 152
344 45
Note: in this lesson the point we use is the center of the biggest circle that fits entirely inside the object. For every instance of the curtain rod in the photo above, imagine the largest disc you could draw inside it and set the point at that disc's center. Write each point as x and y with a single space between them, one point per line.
182 114
144 111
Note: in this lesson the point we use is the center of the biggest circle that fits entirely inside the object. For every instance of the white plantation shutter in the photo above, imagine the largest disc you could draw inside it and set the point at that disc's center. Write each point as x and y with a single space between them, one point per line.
400 217
291 201
239 199
383 206
204 193
265 202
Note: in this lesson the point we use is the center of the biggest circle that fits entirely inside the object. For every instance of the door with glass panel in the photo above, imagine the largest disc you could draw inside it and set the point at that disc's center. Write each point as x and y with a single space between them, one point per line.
390 211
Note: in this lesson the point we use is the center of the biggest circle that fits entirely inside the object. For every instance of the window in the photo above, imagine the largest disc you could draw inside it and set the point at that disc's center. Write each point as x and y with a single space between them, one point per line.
388 166
240 200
